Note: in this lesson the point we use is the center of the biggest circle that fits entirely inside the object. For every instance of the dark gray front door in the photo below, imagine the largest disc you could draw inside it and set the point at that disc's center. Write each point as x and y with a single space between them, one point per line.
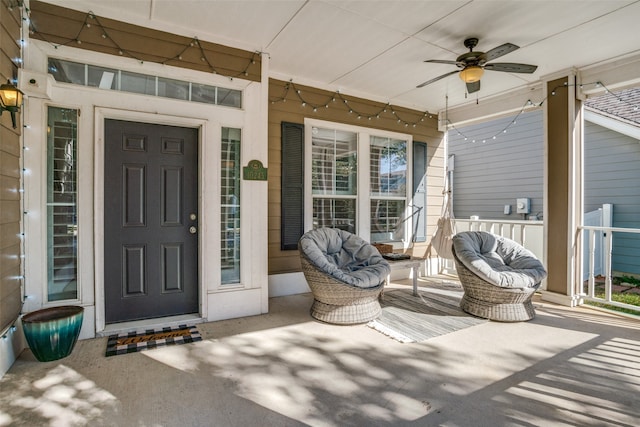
150 223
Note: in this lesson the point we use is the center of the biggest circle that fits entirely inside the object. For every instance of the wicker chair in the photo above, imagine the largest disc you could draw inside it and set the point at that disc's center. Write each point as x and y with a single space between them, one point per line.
346 276
498 275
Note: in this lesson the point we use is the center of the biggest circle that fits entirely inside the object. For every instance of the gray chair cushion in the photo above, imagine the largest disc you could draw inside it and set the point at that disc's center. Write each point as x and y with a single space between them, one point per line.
498 260
344 256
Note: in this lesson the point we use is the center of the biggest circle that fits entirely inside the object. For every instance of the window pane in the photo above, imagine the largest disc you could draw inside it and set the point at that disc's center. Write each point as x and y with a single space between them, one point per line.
229 97
334 162
386 220
335 213
138 83
62 226
104 78
67 71
173 88
230 205
388 167
203 93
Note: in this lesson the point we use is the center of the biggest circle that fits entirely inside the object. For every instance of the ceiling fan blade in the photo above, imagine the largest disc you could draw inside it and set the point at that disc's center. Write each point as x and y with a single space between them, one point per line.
499 51
441 61
473 87
510 67
437 78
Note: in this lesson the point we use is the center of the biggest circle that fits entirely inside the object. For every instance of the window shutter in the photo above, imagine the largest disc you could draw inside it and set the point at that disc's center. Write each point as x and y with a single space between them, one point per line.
292 186
420 190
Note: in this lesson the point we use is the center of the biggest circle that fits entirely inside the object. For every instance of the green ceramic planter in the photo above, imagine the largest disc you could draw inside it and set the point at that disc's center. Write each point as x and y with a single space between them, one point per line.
52 332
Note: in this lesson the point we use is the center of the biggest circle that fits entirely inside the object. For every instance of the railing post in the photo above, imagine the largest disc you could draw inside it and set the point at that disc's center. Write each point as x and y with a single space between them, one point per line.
609 250
591 239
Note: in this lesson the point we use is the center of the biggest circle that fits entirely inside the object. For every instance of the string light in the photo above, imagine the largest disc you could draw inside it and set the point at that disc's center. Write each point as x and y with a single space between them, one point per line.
530 103
92 23
194 42
290 87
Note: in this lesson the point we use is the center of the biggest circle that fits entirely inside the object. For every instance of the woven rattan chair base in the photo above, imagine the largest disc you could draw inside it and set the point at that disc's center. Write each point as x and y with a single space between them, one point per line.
500 312
345 314
338 303
492 302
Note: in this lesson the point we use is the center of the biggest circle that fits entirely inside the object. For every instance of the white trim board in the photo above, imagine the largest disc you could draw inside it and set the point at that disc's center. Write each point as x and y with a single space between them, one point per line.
608 122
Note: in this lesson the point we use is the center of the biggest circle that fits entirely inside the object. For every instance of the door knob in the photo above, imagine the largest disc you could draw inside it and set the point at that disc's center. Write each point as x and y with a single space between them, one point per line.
192 217
193 229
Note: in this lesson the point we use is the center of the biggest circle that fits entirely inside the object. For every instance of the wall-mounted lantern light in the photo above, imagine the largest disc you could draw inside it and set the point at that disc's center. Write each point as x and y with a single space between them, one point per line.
11 100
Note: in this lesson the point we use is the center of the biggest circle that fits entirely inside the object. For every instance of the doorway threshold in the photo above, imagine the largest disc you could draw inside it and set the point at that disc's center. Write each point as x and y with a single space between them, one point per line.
157 323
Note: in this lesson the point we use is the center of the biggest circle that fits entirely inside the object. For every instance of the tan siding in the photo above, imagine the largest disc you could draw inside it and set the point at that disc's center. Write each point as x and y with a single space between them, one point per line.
293 111
9 164
9 188
9 235
10 212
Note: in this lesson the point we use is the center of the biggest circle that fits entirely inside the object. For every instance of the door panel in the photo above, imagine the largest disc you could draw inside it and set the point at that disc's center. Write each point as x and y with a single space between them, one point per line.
172 268
171 193
151 187
134 195
133 260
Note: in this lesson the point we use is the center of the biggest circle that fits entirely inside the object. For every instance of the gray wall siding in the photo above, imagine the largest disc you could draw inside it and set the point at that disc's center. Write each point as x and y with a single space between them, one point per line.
489 175
612 175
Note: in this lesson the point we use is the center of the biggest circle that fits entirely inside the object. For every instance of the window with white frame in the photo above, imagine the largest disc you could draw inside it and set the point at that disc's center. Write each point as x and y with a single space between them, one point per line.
113 79
230 205
334 173
388 187
357 180
62 204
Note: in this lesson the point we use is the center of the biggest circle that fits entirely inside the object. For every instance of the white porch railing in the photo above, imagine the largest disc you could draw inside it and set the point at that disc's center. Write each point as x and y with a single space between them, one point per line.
529 234
589 234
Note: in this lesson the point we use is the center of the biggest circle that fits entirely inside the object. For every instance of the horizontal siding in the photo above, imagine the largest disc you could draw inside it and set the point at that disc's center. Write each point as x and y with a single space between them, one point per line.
494 173
292 111
490 175
10 151
612 174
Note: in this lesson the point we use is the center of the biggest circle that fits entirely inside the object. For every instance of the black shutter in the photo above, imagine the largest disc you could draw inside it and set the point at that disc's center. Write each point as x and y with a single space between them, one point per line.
292 186
420 191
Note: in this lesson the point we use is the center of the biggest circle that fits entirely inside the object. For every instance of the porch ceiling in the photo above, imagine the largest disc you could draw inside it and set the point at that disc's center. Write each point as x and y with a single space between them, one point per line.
376 48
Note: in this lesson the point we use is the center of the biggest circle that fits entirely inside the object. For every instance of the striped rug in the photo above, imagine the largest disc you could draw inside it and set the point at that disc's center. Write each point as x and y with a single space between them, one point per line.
434 312
152 338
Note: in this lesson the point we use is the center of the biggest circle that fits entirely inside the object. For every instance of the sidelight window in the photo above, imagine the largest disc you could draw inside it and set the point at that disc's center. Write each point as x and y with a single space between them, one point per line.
62 204
230 205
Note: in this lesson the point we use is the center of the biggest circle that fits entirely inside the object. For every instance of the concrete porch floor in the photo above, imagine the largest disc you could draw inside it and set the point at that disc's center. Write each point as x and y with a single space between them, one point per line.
578 367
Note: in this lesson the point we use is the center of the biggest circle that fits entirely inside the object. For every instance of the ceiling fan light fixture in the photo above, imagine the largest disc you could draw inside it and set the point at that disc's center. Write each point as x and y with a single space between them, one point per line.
471 74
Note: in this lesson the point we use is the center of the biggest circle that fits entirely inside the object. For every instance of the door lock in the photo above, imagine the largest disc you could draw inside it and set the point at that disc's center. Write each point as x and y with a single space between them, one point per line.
193 229
192 217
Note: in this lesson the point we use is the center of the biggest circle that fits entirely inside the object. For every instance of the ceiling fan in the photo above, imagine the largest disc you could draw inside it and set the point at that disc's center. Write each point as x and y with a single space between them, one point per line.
472 64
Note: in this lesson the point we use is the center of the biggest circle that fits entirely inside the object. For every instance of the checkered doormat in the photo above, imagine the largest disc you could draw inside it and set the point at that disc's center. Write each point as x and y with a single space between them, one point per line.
150 339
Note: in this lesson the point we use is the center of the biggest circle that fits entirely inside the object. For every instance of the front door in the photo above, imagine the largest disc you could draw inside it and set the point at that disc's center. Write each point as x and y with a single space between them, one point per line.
150 221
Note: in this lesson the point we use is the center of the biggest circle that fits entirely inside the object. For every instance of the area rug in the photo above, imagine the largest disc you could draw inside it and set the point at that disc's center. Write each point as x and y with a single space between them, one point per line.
151 338
434 312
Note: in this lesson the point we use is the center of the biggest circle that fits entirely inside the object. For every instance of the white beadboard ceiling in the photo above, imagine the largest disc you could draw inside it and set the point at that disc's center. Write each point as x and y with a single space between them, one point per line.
376 48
